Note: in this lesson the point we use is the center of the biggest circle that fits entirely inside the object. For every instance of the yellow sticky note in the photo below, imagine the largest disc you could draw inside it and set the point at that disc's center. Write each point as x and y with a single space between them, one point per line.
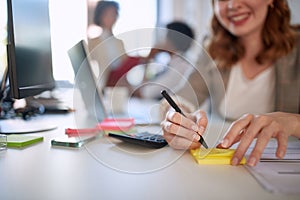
214 156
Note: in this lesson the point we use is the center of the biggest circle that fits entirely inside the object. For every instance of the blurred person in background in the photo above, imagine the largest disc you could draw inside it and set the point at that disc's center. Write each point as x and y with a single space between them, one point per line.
106 49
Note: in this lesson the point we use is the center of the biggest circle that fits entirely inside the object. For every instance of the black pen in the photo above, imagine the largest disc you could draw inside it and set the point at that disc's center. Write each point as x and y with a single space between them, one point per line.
177 109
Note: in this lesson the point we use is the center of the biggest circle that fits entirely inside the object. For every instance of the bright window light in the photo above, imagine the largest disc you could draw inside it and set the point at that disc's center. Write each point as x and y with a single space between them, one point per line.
68 26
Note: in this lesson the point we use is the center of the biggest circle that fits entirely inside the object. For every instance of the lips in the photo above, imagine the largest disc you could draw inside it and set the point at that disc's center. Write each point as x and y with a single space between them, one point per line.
239 19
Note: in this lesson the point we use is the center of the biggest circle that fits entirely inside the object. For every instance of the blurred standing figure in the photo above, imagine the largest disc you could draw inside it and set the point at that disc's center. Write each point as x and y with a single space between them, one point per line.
107 50
179 39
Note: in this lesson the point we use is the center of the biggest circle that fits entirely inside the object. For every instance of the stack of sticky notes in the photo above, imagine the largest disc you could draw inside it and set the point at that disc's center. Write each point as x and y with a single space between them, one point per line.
21 141
112 124
214 156
119 125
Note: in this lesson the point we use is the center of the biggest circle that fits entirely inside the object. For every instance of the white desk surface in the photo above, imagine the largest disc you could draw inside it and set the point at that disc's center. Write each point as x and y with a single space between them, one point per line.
106 169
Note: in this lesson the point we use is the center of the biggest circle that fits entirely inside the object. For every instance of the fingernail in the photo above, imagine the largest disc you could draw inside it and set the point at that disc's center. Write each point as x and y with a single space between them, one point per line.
252 161
195 128
196 137
281 154
201 129
225 143
234 161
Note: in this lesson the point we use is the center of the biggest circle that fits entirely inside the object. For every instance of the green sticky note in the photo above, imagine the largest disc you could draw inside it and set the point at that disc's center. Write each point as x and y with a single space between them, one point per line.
19 141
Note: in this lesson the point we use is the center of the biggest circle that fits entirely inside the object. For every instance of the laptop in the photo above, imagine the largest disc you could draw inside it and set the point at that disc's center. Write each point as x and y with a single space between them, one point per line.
92 96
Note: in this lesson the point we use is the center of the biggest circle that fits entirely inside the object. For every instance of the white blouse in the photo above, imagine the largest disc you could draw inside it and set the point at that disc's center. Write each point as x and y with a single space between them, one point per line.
255 96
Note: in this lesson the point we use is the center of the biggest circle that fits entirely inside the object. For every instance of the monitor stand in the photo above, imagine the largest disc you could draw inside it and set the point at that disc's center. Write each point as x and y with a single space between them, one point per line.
10 123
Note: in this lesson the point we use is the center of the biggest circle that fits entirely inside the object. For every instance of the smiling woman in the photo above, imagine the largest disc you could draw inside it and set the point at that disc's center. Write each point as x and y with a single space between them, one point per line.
256 51
247 20
254 14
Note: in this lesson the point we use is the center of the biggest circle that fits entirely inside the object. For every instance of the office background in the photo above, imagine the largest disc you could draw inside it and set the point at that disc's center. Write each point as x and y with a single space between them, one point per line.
71 21
67 174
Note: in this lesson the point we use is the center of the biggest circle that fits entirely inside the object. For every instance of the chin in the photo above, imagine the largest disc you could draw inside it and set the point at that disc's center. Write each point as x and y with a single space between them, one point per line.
239 32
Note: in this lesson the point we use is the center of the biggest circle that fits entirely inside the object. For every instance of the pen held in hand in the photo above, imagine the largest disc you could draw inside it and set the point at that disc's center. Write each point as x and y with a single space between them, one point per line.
177 109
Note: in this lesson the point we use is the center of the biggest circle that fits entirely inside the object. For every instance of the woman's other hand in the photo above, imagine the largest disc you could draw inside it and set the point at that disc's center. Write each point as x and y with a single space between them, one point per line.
278 125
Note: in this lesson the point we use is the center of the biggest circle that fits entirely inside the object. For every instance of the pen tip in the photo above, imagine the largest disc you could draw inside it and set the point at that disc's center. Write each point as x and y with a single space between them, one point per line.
203 142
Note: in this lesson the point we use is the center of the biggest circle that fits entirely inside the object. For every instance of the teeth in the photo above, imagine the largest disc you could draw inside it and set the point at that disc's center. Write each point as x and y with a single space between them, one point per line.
240 17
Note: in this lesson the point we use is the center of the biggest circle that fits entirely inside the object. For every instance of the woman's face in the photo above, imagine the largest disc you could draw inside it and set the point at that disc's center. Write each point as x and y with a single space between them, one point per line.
109 17
242 18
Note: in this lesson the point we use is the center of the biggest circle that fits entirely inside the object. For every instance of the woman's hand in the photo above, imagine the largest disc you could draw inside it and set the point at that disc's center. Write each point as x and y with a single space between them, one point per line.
277 125
183 132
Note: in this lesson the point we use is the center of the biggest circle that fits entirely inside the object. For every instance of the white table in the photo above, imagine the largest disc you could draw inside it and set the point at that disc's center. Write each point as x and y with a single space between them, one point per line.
107 169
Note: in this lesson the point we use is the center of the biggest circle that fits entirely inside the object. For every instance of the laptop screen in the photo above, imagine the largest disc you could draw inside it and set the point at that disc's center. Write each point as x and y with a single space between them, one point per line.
85 81
143 112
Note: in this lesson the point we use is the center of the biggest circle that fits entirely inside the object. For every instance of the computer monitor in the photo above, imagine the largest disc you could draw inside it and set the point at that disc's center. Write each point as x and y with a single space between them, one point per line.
29 48
29 61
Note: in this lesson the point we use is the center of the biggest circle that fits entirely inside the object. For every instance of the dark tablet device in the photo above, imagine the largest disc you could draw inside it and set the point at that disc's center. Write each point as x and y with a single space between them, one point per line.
144 138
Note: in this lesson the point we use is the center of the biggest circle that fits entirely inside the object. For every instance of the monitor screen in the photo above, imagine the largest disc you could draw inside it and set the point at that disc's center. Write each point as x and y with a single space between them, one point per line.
29 48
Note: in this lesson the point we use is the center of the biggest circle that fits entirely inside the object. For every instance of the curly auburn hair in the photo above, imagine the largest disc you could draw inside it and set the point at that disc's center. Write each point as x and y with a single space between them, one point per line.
279 38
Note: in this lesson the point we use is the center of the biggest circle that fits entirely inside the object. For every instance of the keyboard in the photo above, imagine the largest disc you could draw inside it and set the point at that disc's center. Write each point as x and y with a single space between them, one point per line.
59 100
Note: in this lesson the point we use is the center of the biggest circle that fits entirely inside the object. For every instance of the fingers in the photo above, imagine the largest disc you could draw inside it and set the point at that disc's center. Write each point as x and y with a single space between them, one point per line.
263 128
282 140
181 132
202 121
178 142
177 129
182 126
237 128
260 126
261 143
